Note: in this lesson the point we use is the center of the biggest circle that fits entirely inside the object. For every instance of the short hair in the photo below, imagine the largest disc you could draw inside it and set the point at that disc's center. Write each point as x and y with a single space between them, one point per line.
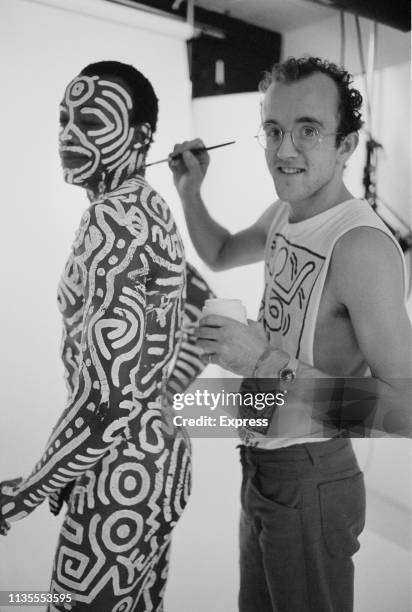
350 100
145 103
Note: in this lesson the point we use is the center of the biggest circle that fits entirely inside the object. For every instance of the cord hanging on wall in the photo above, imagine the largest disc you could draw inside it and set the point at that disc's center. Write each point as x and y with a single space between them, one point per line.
342 38
403 234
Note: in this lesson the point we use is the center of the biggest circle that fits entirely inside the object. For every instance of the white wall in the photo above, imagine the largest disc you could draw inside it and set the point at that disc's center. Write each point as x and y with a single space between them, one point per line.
383 565
322 39
238 187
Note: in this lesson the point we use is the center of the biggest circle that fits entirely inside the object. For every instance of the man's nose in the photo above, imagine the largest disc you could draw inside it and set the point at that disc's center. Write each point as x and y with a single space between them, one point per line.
287 149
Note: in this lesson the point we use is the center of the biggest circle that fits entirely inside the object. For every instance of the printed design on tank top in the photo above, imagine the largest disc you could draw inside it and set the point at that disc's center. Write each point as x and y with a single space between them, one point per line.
290 276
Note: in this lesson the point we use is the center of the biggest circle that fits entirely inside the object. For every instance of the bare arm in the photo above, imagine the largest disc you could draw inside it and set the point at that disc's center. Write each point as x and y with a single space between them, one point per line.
218 248
368 282
189 364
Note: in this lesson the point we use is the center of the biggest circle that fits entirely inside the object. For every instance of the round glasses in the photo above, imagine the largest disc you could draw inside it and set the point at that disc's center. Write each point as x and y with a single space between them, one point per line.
304 137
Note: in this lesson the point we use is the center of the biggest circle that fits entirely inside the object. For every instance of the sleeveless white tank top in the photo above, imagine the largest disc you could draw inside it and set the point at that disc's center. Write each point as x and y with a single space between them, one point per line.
297 257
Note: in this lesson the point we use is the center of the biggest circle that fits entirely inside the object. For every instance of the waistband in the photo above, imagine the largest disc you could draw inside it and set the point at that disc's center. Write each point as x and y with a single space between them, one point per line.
299 452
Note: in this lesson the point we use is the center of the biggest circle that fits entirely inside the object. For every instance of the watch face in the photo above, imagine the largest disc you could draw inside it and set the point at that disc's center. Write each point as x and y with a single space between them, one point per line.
287 375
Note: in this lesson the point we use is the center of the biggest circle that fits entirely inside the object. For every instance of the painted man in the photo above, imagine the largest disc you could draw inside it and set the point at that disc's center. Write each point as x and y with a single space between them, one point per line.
114 454
333 307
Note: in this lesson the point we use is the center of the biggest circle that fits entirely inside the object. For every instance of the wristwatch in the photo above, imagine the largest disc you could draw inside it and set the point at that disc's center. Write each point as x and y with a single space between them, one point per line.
288 372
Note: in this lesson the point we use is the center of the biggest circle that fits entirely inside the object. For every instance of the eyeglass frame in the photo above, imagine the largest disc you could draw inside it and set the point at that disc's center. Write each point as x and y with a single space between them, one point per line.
319 139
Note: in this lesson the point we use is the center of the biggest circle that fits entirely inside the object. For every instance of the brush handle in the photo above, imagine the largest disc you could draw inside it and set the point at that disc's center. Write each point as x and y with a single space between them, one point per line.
194 151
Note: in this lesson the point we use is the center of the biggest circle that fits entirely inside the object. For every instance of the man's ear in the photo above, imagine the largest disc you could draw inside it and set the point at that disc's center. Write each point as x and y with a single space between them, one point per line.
348 145
142 135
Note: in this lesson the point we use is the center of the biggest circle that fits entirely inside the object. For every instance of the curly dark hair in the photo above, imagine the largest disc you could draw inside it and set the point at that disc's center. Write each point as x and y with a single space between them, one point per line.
145 102
350 100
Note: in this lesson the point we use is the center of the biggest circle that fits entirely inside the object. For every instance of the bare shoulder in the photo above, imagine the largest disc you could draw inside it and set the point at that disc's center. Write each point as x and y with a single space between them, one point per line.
265 220
367 246
366 258
269 214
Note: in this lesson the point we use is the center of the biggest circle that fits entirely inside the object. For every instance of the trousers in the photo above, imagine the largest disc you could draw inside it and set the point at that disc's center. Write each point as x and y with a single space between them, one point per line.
303 508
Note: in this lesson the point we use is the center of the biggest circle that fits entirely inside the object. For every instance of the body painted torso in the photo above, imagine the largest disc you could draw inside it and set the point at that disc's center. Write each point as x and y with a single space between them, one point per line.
152 261
124 508
122 298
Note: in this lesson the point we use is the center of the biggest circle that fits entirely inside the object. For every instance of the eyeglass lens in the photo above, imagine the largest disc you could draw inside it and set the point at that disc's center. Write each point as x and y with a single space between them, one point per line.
304 137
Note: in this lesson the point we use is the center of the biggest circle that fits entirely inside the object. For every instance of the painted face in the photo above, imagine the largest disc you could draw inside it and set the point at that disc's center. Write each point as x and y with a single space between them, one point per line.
96 141
303 175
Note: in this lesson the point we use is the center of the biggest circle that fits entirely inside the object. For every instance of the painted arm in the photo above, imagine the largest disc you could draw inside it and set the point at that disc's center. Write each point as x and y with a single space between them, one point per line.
70 300
113 270
188 364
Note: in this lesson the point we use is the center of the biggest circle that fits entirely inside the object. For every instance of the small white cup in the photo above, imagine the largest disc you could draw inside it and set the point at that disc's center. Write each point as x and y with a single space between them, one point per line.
234 309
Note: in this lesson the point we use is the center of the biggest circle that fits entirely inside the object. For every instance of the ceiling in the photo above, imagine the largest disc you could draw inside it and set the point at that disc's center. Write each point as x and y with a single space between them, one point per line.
281 15
277 15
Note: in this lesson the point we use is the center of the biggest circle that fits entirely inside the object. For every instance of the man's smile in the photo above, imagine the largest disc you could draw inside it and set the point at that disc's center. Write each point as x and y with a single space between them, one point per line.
289 170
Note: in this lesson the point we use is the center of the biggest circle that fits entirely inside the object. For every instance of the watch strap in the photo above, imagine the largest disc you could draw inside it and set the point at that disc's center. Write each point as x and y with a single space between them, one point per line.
288 372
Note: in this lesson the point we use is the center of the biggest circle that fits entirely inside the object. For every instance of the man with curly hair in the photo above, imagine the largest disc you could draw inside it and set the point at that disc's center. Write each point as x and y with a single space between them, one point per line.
332 308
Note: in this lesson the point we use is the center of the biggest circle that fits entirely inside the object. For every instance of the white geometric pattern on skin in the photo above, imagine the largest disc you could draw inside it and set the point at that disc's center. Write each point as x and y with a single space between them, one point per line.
142 292
170 488
130 544
101 108
97 413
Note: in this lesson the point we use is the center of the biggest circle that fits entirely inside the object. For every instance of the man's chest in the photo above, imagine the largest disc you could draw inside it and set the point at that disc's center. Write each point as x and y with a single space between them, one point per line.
300 311
292 274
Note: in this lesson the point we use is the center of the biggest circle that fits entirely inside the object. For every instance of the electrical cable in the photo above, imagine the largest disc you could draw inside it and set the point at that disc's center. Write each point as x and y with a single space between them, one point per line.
372 147
370 70
363 70
342 38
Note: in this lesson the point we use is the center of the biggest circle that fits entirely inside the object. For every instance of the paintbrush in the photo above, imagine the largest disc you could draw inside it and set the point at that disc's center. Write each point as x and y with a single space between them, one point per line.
194 151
